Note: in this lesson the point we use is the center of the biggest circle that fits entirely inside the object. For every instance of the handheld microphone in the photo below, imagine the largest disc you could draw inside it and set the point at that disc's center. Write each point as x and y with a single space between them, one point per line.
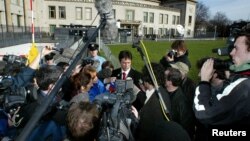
110 30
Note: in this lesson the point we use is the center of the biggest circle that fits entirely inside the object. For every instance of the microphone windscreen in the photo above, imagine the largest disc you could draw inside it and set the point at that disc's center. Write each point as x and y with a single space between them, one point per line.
104 8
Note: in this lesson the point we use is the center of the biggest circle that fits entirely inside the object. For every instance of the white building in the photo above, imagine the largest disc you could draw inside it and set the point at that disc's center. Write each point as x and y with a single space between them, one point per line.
141 16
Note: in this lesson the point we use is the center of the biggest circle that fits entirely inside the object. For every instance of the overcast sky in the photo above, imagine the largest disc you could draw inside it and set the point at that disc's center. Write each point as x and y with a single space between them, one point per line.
234 9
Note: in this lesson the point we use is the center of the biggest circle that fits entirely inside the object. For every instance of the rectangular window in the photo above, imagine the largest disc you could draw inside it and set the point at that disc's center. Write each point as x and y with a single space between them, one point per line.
52 12
130 15
62 12
151 17
114 13
88 13
78 13
174 20
19 20
178 19
145 31
166 19
161 19
189 20
1 17
145 17
151 30
52 28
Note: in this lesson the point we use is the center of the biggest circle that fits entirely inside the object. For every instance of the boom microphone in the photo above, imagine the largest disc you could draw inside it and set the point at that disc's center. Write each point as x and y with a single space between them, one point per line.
110 30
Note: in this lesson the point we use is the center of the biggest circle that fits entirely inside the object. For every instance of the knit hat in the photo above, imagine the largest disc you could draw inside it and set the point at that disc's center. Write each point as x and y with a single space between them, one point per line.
182 67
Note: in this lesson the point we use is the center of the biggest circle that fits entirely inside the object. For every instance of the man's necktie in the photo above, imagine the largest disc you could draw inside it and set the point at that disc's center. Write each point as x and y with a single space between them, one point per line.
123 76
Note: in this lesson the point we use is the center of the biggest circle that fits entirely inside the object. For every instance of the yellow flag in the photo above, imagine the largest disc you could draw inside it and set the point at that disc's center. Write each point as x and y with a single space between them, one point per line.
32 53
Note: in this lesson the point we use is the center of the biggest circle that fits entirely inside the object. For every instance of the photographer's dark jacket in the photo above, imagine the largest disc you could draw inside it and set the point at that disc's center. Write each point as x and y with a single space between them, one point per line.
23 78
153 125
231 106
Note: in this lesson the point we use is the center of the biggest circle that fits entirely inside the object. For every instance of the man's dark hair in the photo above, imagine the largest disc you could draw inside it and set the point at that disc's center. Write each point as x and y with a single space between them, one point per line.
107 64
62 64
174 76
245 33
49 56
47 75
125 54
158 72
83 121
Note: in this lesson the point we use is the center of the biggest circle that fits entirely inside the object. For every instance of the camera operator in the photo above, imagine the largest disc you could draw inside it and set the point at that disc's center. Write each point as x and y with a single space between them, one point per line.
27 74
152 123
21 79
50 124
178 53
218 82
231 106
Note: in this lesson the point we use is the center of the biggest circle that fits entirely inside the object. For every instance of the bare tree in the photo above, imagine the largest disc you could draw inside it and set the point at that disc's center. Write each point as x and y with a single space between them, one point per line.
221 22
202 14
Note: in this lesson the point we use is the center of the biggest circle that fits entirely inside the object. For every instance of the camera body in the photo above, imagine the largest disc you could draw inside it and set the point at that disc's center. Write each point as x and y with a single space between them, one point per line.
172 53
13 59
117 116
12 97
222 64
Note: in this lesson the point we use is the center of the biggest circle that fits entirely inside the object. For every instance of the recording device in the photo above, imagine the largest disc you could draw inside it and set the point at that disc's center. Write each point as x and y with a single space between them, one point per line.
117 118
172 53
224 51
87 62
13 59
110 30
12 97
13 64
136 42
222 64
121 86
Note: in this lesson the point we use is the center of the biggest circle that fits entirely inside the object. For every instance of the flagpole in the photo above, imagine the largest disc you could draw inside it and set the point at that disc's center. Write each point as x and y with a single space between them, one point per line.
32 22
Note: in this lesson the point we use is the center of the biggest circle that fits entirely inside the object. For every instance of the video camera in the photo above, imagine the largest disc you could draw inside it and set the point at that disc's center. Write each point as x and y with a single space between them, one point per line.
117 118
13 64
224 51
13 59
222 64
12 97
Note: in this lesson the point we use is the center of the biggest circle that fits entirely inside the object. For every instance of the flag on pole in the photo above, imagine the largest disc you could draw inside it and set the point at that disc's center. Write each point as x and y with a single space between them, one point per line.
32 53
33 50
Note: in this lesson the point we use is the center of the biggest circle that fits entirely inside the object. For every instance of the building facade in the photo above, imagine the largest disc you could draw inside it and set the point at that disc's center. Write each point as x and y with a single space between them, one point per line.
142 17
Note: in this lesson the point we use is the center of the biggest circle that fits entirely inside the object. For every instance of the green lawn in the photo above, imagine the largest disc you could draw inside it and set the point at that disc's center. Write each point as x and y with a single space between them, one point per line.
197 49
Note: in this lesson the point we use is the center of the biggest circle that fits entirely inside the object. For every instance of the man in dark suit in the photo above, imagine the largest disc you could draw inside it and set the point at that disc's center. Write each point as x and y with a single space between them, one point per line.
153 125
126 71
